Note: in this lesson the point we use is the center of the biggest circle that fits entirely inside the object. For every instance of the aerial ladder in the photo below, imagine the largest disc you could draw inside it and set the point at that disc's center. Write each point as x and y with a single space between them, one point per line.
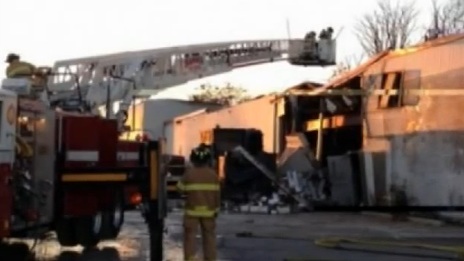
126 76
88 84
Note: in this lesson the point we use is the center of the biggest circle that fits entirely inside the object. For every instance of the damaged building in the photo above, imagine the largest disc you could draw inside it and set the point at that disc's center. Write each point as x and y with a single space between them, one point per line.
404 137
264 113
411 141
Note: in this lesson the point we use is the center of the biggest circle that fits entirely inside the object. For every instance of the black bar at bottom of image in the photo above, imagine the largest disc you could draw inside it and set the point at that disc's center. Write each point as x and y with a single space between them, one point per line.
388 208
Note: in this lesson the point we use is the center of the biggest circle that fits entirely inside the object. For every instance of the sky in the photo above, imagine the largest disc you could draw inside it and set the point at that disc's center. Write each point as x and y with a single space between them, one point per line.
43 31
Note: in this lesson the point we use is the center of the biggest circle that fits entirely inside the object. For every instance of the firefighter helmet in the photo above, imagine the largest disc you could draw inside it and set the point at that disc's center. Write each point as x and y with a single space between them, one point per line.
200 155
11 57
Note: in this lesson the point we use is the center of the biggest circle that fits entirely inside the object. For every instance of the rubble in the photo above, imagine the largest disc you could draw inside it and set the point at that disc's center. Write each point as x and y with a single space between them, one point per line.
257 182
294 191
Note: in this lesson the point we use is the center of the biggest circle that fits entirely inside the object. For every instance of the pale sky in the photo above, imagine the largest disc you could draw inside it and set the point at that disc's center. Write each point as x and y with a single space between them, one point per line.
43 31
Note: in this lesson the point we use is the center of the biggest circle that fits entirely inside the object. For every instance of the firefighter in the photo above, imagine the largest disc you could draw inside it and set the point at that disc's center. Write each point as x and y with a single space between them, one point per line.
310 46
18 68
201 187
329 33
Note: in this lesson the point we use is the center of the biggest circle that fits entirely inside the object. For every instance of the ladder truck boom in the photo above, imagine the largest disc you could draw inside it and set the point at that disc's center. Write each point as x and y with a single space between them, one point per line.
128 75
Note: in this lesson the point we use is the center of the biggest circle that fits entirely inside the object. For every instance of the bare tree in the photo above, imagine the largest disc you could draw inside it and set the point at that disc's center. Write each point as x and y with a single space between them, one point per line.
447 18
389 26
225 95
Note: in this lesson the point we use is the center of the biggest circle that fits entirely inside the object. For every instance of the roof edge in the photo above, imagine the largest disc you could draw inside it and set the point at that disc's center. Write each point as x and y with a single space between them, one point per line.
351 74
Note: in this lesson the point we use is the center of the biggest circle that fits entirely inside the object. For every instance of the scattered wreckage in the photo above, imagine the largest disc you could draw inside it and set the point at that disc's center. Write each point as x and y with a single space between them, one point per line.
253 180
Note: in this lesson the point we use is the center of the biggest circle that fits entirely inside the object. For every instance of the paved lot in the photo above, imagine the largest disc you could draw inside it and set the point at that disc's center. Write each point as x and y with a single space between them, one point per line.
281 237
275 237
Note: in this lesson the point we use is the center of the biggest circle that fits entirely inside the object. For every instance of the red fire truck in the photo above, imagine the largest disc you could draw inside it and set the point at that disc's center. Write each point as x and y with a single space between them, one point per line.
67 171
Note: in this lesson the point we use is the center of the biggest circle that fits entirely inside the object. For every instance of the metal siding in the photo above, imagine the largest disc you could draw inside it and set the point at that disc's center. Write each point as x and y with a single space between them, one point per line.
157 112
258 114
168 134
423 145
432 60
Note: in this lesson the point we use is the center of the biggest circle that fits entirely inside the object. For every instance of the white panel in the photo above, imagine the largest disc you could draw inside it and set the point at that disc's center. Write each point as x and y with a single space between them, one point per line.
155 114
128 156
82 155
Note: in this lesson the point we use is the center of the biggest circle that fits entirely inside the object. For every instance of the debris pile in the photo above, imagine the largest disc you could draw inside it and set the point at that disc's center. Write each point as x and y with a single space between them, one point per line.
309 186
293 191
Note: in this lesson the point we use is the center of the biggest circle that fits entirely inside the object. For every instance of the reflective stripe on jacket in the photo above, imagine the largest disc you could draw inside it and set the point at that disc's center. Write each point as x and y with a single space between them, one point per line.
19 69
202 189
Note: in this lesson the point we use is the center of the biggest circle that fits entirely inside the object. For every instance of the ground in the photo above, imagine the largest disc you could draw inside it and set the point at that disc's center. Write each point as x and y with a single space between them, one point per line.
274 237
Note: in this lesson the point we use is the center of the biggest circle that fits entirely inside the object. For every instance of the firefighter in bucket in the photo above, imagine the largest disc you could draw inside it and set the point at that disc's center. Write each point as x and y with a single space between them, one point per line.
200 184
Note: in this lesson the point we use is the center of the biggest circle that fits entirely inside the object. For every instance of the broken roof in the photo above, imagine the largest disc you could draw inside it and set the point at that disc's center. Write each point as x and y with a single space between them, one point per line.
349 75
304 86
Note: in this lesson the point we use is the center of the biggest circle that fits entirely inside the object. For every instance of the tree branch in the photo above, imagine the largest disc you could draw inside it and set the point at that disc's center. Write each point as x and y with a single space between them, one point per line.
447 18
225 95
388 26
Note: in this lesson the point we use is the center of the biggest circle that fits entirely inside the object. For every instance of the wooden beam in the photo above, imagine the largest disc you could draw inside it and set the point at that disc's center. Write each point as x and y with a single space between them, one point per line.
333 122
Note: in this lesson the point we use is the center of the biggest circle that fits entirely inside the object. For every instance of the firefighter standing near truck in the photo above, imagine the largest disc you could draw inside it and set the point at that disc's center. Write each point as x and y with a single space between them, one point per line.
200 184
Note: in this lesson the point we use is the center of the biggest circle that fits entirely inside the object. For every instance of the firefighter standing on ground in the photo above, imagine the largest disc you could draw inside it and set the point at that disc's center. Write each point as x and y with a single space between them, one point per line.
201 187
17 68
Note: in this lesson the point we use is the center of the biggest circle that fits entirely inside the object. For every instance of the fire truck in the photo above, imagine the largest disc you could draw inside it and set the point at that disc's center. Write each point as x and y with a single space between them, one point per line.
65 170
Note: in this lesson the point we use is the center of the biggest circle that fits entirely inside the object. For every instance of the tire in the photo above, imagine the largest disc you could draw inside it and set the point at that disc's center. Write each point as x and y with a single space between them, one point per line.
113 219
87 230
112 222
65 232
16 251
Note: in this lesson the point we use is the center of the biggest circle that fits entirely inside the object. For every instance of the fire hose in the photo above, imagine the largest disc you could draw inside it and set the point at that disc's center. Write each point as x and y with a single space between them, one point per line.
336 243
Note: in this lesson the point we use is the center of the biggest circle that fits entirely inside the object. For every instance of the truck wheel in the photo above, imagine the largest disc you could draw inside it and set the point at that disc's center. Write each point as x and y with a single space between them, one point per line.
65 232
113 221
16 251
88 229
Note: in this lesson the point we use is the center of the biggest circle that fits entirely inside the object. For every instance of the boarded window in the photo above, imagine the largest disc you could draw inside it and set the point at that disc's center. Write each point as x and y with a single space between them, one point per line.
392 82
412 81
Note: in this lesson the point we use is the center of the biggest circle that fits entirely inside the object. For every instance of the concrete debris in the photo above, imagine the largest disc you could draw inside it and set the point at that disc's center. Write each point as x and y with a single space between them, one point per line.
263 205
306 185
281 187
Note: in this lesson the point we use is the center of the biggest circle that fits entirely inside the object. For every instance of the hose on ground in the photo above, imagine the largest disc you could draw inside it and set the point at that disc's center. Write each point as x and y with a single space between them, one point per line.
336 243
